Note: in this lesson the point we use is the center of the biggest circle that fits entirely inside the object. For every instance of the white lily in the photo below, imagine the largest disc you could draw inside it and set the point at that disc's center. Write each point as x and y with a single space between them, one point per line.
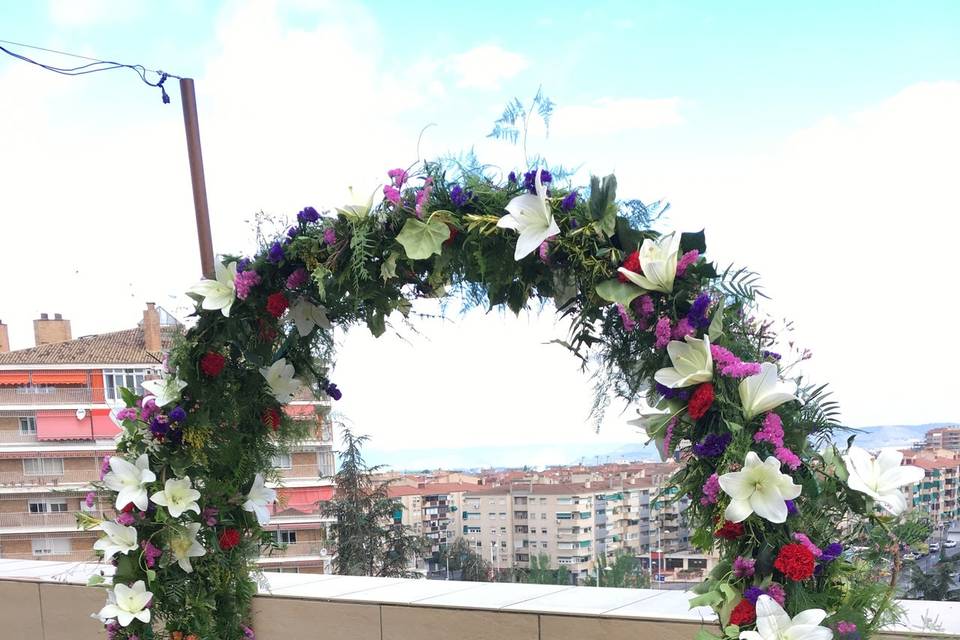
184 545
692 363
773 623
881 477
165 390
530 216
758 488
259 498
306 316
280 378
764 391
658 260
359 207
219 293
118 539
126 603
178 496
129 480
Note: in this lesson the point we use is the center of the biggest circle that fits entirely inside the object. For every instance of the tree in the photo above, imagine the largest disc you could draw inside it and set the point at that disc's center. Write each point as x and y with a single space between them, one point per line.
541 573
471 566
938 584
368 533
624 572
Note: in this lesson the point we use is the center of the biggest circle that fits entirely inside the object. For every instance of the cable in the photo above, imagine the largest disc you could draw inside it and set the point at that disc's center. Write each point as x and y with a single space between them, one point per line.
93 66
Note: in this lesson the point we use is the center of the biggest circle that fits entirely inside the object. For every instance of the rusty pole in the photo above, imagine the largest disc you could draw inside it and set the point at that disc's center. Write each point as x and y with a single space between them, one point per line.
191 125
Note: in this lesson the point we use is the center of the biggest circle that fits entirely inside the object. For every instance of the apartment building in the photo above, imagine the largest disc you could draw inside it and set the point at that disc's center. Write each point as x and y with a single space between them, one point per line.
57 405
431 509
936 493
943 438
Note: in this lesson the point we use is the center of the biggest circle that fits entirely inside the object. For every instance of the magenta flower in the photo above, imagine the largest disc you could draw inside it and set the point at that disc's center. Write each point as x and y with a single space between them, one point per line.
711 490
845 627
104 466
682 330
90 499
686 260
392 194
245 282
297 279
805 541
730 365
127 413
209 516
787 457
423 196
662 332
126 519
329 236
743 567
643 306
777 592
398 176
772 430
628 323
668 437
150 553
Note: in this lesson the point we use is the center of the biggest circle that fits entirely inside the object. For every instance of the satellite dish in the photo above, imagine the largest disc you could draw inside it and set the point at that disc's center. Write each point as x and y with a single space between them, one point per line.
323 552
81 414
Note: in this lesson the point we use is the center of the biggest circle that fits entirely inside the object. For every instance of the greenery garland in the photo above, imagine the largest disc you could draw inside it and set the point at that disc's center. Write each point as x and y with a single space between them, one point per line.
654 319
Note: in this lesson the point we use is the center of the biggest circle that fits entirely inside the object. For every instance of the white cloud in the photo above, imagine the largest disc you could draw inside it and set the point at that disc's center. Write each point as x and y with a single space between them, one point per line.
85 13
486 66
615 115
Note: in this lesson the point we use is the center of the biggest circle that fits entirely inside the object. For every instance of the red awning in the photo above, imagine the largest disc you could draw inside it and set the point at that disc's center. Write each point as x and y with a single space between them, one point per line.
17 378
59 377
63 425
300 411
303 499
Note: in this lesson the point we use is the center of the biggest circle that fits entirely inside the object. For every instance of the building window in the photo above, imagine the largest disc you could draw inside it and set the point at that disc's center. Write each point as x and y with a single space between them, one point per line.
492 516
43 466
503 531
282 461
114 379
28 426
284 537
50 546
47 506
543 516
327 464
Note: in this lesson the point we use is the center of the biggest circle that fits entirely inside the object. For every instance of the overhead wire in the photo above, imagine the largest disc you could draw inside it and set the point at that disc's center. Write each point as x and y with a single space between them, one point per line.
94 65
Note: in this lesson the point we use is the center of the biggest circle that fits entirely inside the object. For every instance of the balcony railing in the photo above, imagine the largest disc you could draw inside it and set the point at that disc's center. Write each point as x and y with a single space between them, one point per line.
18 479
51 395
299 549
38 520
301 471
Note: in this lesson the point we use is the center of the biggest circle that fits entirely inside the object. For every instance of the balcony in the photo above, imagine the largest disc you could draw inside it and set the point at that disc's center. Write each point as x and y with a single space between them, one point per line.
51 396
23 521
18 479
46 601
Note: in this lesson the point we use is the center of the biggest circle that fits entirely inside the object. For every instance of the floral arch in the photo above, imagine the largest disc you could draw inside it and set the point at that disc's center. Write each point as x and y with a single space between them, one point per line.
654 317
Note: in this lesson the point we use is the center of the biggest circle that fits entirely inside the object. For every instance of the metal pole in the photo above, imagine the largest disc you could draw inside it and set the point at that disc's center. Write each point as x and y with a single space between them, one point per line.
191 125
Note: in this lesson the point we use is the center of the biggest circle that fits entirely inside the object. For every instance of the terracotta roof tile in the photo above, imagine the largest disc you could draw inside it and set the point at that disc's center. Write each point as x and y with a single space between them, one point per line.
117 347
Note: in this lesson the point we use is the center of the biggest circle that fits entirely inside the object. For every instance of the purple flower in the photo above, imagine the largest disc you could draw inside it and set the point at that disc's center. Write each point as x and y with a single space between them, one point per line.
112 628
244 282
698 311
643 306
329 236
791 507
175 437
392 194
460 196
297 279
127 413
530 179
711 490
275 254
150 553
126 519
662 332
159 426
209 516
293 232
148 408
90 499
743 567
178 414
770 355
713 445
308 215
243 264
104 466
682 330
831 552
512 177
333 392
753 593
778 593
247 632
569 202
629 324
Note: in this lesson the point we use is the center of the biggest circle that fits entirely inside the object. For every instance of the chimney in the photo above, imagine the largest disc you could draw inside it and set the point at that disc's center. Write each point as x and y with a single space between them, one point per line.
151 328
4 338
47 331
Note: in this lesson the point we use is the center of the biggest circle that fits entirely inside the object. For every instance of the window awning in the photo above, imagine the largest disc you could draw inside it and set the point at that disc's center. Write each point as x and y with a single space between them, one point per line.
64 425
15 378
303 499
60 377
300 411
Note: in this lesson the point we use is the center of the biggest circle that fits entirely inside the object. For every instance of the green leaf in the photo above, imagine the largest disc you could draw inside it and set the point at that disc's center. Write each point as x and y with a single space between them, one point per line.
615 291
735 427
703 634
716 324
94 580
129 398
728 593
388 269
732 631
603 203
319 276
690 241
630 239
377 323
421 239
151 575
708 599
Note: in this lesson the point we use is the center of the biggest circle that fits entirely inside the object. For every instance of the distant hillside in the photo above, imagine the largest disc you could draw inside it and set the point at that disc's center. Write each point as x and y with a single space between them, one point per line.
891 435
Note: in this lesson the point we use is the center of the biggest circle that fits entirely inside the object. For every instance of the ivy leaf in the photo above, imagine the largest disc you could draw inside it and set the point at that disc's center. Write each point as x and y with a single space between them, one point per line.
630 239
703 634
708 599
388 269
732 631
615 291
377 323
421 239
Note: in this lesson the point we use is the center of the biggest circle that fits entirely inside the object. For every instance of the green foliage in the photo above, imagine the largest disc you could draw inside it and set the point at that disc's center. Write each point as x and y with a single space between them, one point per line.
465 563
420 239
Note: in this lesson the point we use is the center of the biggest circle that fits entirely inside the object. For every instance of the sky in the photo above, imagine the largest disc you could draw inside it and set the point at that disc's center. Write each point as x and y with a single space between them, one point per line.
816 144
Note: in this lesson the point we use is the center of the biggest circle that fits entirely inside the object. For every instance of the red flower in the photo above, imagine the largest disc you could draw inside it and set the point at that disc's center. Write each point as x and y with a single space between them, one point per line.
229 539
700 401
795 561
632 263
729 530
271 418
743 613
453 235
127 508
212 364
277 304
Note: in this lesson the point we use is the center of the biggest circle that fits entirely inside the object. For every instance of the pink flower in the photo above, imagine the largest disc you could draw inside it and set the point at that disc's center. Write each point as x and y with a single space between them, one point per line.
787 457
329 236
150 553
682 330
244 282
423 196
297 279
399 176
127 413
743 567
668 437
209 516
148 408
90 499
628 322
772 430
805 541
730 365
711 490
662 331
643 306
126 519
845 627
392 194
104 466
544 252
776 592
686 260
